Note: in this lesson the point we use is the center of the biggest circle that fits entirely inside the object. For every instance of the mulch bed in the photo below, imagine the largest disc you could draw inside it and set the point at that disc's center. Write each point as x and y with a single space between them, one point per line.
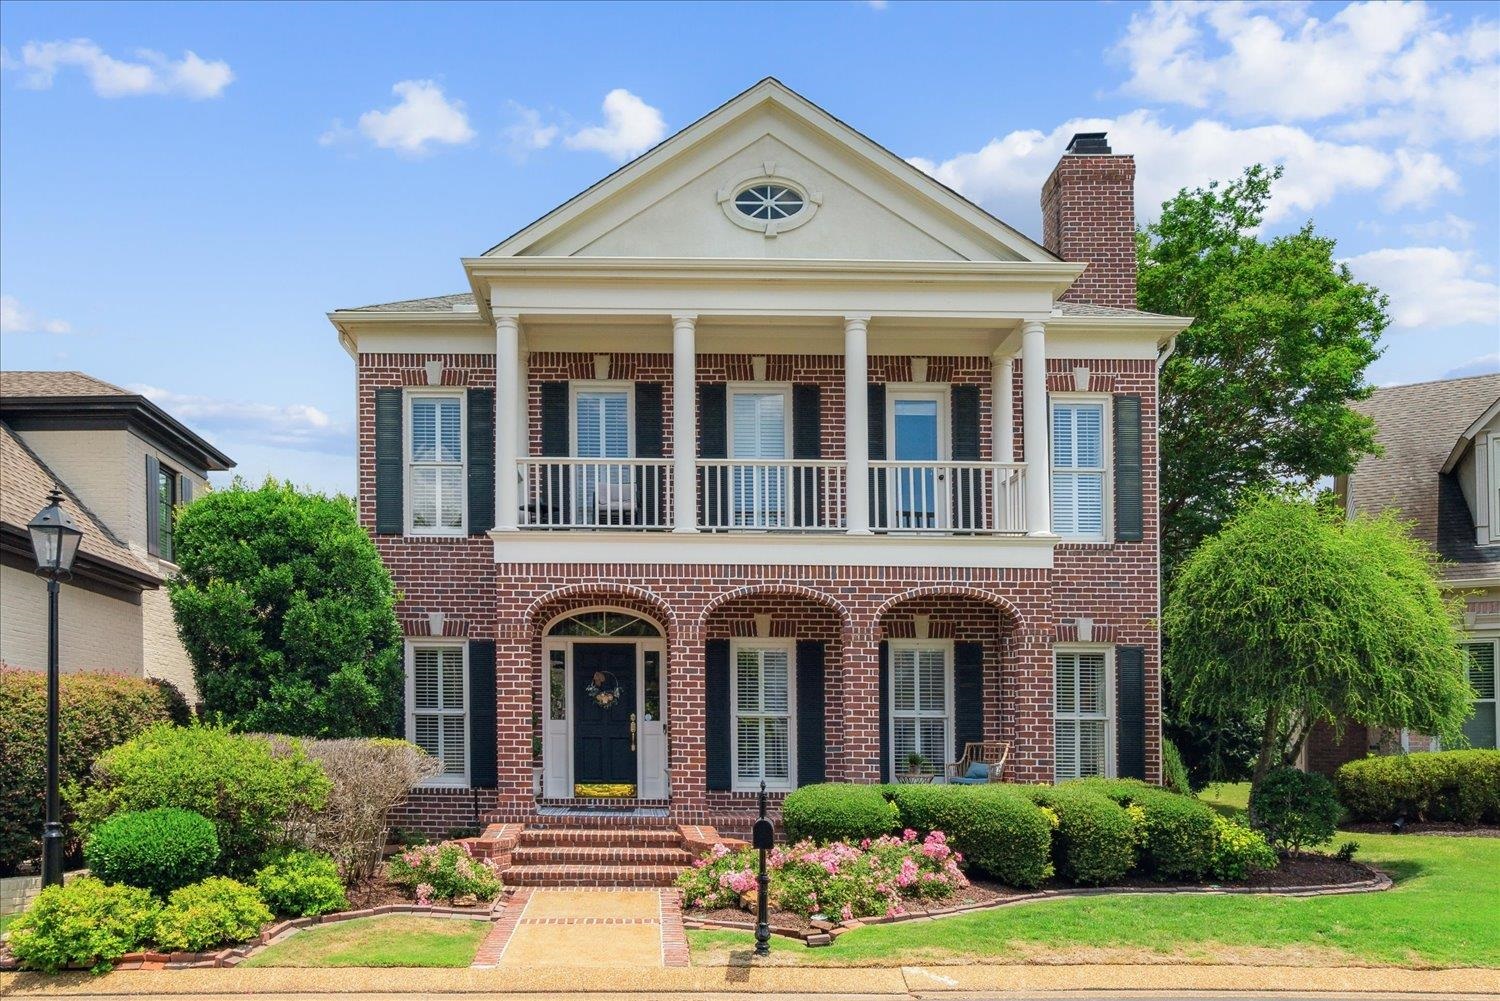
376 893
1441 827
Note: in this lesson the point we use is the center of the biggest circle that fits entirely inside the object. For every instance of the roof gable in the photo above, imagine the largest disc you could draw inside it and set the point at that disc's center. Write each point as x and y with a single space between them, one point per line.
867 203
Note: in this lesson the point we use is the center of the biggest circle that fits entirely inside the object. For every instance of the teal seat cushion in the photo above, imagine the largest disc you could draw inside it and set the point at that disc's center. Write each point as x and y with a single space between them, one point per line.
966 781
979 771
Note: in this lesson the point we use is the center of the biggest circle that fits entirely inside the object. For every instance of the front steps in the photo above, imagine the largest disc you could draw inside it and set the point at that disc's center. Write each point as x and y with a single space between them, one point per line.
597 857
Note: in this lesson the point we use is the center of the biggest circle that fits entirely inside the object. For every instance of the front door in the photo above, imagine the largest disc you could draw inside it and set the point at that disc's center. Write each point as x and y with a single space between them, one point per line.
604 721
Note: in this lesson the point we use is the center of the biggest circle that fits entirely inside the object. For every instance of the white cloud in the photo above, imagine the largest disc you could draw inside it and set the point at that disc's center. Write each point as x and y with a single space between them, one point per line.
1006 175
529 133
422 116
631 126
1431 286
14 319
1450 228
297 426
336 133
1387 69
154 73
1482 365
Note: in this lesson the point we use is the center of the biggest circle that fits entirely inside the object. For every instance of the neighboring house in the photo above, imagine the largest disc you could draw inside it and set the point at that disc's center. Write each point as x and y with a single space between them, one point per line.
768 495
1440 471
123 464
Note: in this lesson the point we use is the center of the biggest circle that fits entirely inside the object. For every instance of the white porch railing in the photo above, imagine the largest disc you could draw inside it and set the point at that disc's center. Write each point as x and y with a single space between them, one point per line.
773 495
948 497
596 493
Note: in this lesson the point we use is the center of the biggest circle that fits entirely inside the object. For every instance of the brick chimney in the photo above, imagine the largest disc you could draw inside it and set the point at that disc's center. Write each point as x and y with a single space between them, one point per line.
1088 217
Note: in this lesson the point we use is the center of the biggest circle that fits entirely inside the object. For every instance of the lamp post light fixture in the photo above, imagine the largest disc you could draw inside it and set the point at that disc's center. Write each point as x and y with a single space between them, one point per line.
54 540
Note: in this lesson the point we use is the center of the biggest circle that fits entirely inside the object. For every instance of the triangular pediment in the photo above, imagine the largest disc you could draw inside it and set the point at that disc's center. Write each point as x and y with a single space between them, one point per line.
858 200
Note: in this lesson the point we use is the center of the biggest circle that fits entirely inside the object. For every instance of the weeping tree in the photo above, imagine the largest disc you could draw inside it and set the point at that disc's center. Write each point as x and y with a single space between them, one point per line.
1293 613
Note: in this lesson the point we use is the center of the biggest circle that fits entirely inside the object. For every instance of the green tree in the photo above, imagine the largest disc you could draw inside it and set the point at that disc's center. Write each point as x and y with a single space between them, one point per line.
1294 614
287 613
1258 390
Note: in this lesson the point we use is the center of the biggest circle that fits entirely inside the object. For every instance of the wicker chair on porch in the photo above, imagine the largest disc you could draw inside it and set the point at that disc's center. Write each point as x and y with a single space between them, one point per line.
983 761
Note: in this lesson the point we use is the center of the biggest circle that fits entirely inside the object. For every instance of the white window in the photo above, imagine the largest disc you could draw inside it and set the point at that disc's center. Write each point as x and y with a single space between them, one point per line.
437 699
1079 448
1484 673
921 688
762 700
759 429
769 202
603 492
1082 703
436 485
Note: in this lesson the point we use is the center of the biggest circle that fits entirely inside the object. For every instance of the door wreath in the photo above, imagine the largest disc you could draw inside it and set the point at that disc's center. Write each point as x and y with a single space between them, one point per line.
604 689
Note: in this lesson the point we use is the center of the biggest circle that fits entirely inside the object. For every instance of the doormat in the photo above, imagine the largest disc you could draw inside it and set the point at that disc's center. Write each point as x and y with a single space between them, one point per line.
605 790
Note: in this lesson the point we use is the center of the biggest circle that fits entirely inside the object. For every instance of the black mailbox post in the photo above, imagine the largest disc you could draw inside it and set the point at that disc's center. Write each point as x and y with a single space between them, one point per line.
763 839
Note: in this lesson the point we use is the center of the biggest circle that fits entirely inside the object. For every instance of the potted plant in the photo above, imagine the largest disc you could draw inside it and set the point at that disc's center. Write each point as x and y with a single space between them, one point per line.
915 764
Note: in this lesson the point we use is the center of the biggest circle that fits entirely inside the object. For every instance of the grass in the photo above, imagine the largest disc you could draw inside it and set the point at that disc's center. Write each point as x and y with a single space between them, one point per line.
380 941
5 921
1442 912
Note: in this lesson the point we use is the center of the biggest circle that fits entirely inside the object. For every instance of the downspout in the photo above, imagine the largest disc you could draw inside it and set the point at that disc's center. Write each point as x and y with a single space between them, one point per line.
1162 355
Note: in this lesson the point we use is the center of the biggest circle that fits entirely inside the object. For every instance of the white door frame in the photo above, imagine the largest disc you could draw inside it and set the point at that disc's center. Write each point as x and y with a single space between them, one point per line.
940 394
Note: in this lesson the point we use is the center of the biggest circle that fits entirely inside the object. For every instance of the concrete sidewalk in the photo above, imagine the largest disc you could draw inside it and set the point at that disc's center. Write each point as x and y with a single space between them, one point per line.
892 982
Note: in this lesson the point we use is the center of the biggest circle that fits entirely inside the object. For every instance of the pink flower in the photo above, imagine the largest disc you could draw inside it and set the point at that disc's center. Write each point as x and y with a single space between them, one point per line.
894 910
720 849
424 894
847 913
908 835
908 874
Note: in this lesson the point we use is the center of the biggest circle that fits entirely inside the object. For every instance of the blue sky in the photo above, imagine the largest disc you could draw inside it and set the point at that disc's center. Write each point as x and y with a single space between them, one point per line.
185 191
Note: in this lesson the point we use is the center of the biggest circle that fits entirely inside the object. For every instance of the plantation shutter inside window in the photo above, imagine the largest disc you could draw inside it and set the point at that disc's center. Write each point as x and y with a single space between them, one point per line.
762 717
1078 470
439 723
1480 727
1081 707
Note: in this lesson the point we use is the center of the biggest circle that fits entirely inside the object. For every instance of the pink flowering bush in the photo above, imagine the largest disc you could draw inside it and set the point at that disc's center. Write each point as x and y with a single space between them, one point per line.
877 876
444 872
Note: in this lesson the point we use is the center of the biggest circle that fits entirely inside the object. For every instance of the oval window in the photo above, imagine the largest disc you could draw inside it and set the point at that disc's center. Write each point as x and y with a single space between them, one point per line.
769 202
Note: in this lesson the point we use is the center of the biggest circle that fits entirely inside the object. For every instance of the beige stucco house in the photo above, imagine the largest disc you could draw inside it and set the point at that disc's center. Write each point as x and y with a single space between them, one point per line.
123 464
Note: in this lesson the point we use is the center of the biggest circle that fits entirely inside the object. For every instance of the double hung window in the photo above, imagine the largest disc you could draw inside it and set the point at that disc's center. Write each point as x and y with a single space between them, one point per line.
602 491
438 697
762 700
1484 673
435 459
920 706
1078 469
1081 693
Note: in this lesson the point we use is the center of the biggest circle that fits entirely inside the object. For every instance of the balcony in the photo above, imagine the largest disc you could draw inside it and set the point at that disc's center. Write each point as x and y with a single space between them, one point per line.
794 496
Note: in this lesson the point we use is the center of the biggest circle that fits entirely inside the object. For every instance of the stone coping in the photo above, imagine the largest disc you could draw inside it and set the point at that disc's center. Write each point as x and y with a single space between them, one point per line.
824 932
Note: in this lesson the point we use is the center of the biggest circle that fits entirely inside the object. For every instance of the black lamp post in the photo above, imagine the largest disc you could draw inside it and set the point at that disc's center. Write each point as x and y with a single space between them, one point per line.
763 839
54 539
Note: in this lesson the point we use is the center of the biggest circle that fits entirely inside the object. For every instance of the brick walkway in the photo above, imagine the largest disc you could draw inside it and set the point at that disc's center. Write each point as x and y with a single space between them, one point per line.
587 927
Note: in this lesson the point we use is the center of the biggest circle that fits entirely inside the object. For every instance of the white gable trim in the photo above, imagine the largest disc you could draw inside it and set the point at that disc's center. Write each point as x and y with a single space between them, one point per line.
1473 429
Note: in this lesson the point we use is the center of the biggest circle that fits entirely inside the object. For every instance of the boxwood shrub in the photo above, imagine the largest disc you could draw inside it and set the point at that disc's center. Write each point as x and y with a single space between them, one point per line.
85 922
1095 839
217 911
1176 834
158 850
1458 786
1296 809
997 828
837 812
301 885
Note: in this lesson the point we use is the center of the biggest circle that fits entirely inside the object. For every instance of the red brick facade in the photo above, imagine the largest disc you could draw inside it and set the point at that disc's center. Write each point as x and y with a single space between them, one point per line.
1088 216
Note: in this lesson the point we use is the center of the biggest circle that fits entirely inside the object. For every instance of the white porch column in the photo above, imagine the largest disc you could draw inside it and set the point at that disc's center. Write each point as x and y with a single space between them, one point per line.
1034 427
1002 395
857 424
684 423
507 421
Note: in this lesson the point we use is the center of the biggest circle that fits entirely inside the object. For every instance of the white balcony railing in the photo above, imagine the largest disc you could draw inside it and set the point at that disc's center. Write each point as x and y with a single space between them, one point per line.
772 495
948 497
596 493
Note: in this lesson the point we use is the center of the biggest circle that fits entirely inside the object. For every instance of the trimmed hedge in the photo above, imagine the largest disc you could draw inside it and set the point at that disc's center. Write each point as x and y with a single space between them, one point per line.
301 885
159 850
97 712
837 812
1295 809
83 921
1459 786
1177 834
1095 840
996 828
217 911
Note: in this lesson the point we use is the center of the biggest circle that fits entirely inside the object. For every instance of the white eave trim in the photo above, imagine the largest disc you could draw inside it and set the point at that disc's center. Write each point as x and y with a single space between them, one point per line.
1465 439
1059 274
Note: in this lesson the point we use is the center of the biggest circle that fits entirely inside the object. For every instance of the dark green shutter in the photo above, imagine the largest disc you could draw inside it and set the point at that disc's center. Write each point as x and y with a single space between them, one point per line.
968 695
884 727
810 739
716 713
389 486
482 714
875 418
398 704
153 506
650 480
807 443
481 456
713 443
1129 511
184 489
553 492
968 484
1130 703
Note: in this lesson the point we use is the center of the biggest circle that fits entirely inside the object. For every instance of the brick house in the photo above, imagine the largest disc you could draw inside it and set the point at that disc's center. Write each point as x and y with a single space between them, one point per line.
1439 470
736 468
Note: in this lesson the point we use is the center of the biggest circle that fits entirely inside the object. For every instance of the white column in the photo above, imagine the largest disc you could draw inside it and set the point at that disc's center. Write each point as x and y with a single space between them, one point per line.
857 424
684 423
1002 397
507 421
1034 427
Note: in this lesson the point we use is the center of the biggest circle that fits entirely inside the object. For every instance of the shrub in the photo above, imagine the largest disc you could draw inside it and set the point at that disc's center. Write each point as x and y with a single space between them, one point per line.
1176 834
1174 774
96 712
301 885
1239 850
1095 840
1296 809
236 781
217 911
998 829
85 922
1459 786
444 872
158 850
837 812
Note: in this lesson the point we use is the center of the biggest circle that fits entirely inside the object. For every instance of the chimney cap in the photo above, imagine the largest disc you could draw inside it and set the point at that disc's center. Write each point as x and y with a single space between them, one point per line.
1089 143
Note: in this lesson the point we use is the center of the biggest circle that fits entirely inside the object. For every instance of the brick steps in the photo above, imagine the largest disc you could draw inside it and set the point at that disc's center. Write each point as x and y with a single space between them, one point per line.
577 837
592 875
598 855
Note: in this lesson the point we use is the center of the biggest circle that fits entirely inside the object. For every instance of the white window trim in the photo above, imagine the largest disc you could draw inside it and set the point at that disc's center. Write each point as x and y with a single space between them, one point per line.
408 465
758 643
1106 453
446 643
949 723
782 389
579 386
1111 723
1489 480
1494 639
943 391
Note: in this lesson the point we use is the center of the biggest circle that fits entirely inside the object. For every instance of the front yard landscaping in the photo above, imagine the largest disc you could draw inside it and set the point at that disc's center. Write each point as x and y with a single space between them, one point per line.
383 941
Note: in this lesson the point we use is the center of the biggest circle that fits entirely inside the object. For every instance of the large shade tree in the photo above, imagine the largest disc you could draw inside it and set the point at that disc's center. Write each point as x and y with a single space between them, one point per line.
1294 613
287 613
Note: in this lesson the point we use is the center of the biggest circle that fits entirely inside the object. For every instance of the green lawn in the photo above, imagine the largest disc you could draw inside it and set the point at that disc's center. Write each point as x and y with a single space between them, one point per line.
383 941
1443 911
